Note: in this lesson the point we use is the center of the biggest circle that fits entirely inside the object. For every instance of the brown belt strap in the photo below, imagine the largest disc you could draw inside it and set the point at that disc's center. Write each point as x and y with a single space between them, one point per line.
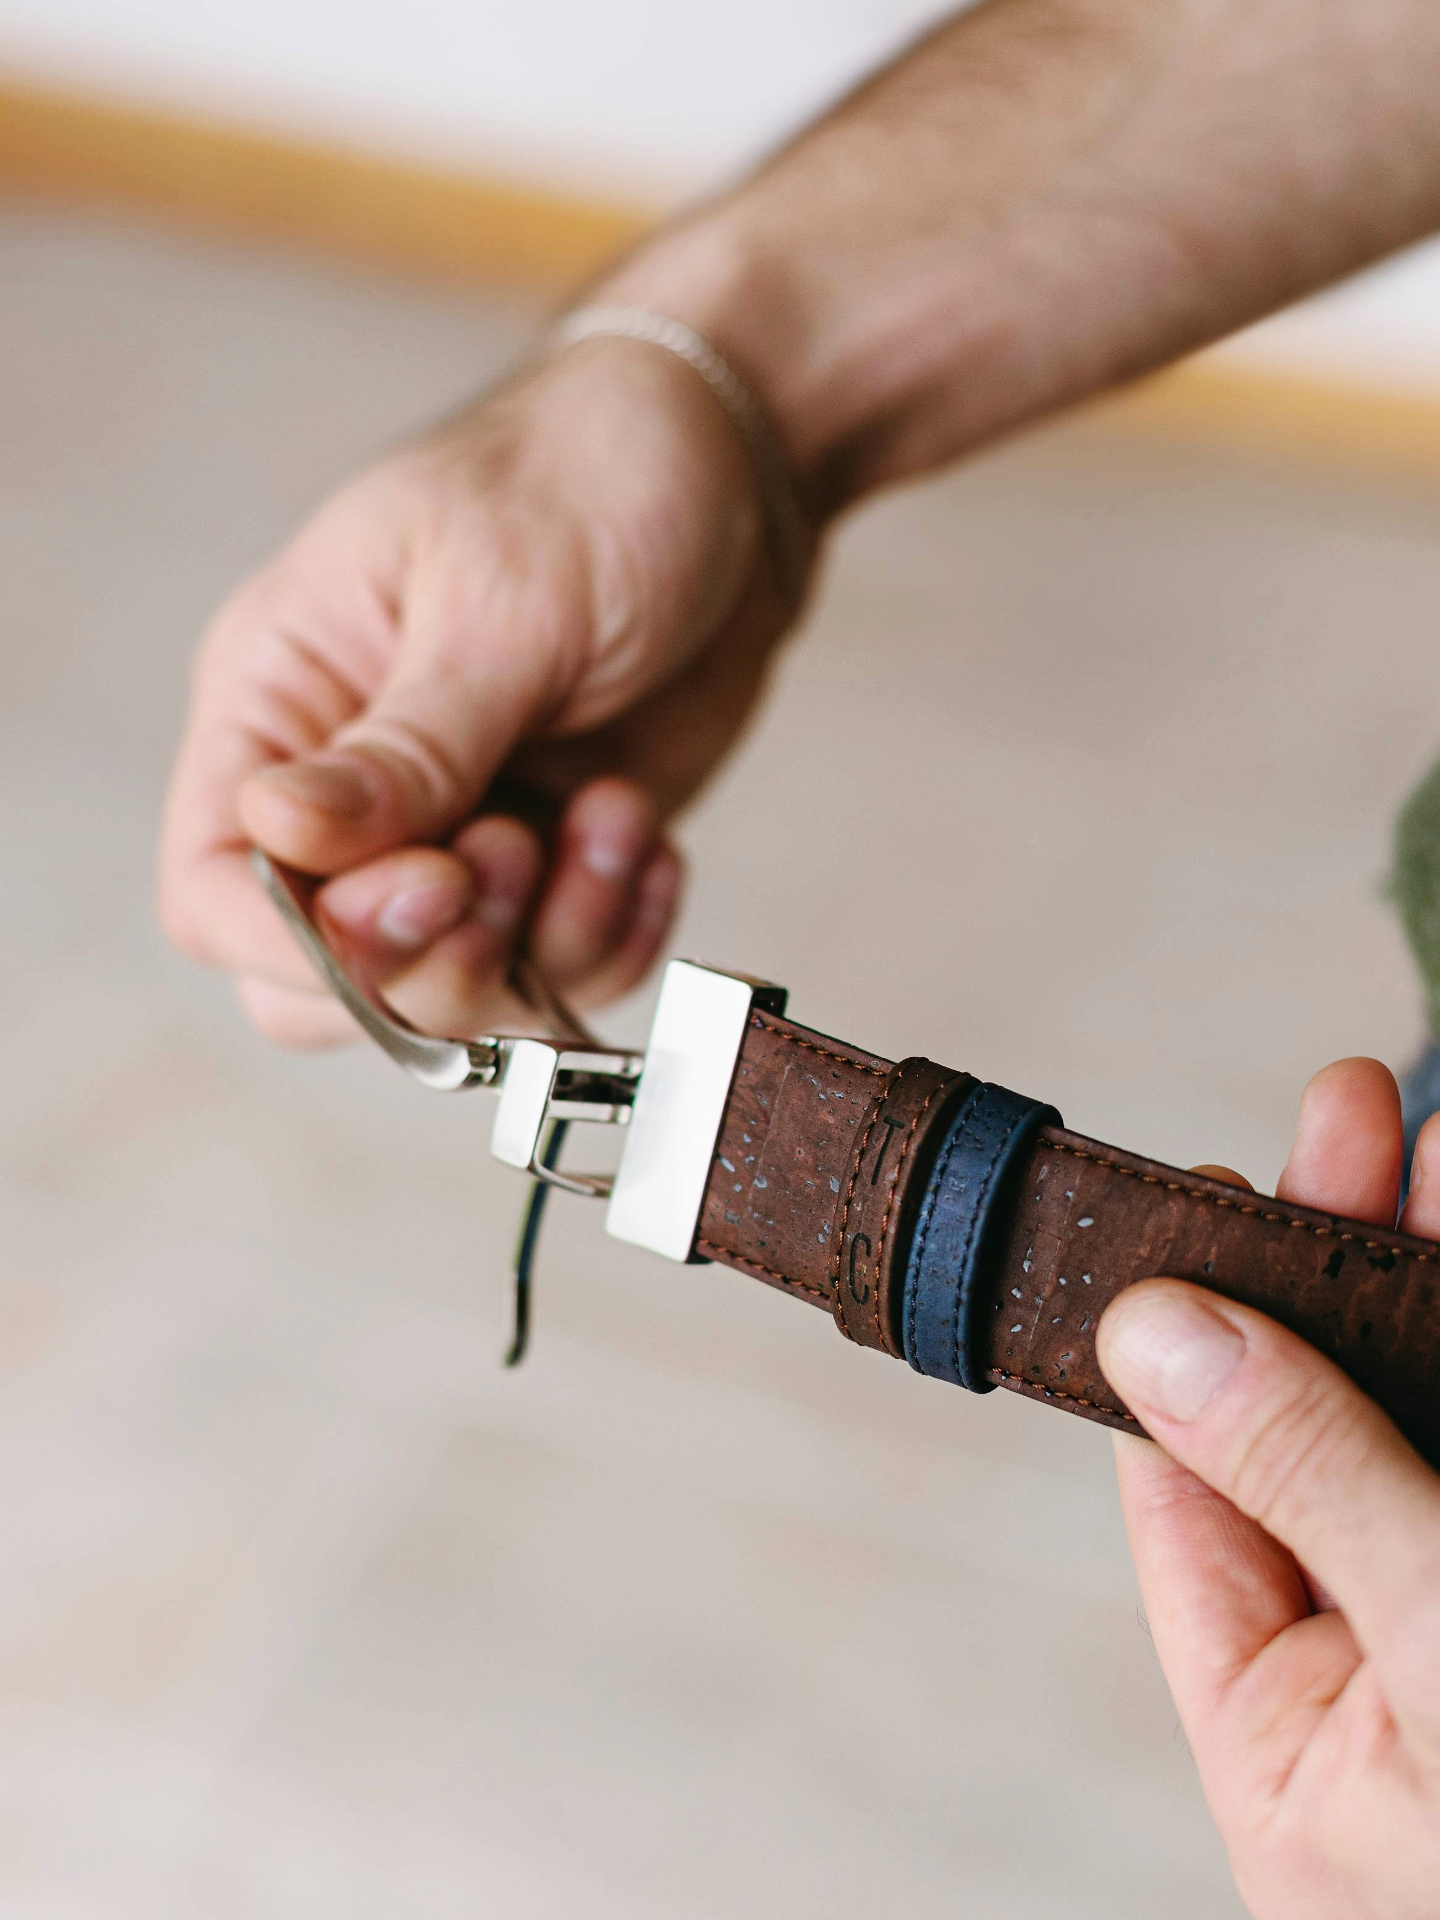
827 1155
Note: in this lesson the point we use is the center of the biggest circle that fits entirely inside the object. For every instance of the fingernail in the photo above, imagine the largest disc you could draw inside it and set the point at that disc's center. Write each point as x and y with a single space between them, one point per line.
336 787
1167 1352
417 915
612 850
499 912
658 891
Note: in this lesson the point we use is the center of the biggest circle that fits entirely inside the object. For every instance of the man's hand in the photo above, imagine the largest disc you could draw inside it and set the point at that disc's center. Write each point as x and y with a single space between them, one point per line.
1288 1547
563 592
560 600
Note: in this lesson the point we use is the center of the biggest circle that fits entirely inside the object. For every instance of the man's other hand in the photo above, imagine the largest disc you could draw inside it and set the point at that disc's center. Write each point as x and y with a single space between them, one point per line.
1287 1541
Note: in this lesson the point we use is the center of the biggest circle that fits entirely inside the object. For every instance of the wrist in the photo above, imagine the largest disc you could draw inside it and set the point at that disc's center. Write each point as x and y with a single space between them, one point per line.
714 272
878 349
832 365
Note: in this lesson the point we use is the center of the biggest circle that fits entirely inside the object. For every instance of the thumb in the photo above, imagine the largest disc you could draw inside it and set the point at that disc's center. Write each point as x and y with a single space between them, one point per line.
1266 1421
465 687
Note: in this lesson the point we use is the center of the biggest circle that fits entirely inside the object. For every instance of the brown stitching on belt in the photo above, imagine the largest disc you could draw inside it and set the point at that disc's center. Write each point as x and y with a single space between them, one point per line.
811 1046
998 1374
823 1296
930 1099
857 1160
727 1254
1234 1206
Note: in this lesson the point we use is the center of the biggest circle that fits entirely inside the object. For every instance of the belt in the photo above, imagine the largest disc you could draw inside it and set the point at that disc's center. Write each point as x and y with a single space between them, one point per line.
938 1219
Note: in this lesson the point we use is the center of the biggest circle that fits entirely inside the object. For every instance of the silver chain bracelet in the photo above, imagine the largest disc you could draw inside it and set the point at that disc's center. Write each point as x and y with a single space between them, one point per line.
790 537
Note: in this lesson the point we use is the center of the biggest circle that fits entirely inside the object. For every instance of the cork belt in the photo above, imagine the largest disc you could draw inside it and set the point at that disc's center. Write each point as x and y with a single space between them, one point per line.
939 1219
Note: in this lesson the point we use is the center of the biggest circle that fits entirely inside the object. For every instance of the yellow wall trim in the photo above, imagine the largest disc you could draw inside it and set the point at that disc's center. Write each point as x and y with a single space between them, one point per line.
420 219
1327 422
391 212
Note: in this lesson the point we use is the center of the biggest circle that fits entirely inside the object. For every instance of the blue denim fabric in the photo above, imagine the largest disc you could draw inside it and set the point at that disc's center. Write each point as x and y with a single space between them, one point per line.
1419 1098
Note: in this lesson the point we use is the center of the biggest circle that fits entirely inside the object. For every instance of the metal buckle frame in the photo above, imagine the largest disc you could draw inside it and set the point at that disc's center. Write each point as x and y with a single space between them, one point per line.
671 1097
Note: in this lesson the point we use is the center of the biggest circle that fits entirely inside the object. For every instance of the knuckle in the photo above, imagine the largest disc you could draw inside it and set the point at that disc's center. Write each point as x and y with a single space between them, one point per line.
1310 1438
288 1019
430 778
1172 1499
183 927
235 623
282 1030
1414 1630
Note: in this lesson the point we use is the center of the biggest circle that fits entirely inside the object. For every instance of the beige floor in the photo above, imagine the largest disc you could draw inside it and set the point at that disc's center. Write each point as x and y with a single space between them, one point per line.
305 1609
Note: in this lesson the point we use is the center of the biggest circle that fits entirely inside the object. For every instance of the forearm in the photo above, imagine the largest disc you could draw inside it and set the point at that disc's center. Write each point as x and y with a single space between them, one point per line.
1048 196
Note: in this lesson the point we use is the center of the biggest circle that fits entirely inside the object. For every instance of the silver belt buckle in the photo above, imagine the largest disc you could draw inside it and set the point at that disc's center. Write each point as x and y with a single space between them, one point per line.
670 1098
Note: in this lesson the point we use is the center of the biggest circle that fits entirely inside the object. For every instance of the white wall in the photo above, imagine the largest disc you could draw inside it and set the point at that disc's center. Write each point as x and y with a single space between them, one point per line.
653 97
646 99
1380 330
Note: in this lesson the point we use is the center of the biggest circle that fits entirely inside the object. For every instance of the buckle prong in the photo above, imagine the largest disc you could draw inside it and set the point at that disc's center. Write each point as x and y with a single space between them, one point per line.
544 1081
524 1264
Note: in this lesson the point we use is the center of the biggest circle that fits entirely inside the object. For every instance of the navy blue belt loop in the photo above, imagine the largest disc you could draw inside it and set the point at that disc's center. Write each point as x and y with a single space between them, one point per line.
987 1136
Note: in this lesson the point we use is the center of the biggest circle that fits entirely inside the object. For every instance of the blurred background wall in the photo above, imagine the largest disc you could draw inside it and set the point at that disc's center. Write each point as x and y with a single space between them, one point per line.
638 96
618 110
